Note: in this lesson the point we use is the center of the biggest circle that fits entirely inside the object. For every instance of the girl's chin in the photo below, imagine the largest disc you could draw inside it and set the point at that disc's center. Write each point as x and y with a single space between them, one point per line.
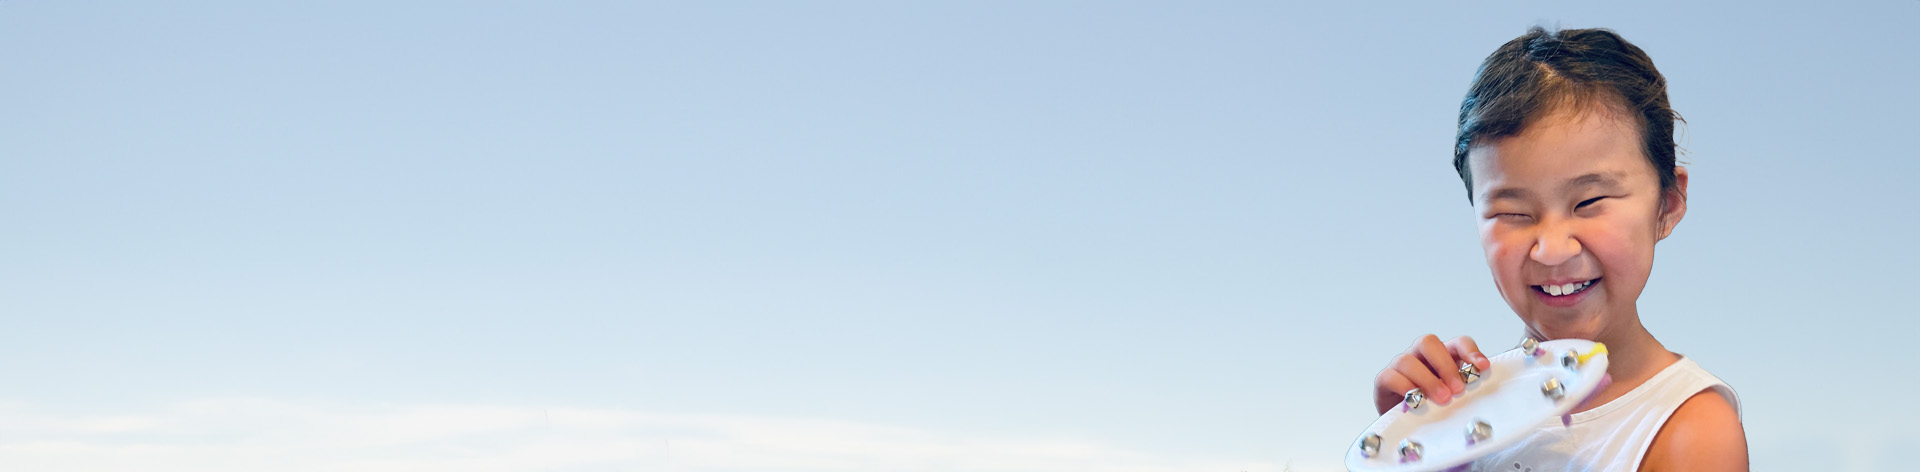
1563 325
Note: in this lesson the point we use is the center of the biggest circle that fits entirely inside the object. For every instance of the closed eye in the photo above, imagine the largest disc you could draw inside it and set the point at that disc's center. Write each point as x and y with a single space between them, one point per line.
1589 201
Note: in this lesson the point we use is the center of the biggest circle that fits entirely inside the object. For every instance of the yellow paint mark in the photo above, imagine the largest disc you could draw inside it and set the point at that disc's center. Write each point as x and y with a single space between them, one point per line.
1598 349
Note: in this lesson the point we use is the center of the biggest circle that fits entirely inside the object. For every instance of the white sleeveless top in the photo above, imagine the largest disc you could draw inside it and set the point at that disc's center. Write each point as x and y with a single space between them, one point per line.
1614 436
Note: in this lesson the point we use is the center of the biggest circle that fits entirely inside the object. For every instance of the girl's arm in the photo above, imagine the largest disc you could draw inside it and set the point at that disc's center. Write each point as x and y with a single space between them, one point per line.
1703 434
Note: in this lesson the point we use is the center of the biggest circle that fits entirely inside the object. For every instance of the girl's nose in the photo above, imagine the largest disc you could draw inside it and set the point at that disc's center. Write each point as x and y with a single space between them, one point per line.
1555 247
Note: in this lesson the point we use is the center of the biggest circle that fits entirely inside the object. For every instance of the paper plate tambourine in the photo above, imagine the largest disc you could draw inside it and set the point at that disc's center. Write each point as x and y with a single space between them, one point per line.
1523 387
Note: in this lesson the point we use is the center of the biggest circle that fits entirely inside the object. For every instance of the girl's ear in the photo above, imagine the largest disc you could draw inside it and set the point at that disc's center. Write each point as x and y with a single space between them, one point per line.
1673 203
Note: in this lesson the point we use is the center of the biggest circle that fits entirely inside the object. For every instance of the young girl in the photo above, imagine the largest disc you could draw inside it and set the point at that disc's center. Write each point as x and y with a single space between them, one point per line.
1566 149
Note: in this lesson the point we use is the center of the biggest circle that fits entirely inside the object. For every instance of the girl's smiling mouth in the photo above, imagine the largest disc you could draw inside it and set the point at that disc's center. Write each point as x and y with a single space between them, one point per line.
1564 294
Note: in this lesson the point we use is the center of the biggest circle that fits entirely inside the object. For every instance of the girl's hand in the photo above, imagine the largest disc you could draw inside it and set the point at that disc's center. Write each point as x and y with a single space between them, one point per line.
1429 365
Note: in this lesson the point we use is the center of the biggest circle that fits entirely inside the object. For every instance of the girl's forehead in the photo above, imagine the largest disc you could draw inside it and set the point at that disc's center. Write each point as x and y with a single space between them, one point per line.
1558 149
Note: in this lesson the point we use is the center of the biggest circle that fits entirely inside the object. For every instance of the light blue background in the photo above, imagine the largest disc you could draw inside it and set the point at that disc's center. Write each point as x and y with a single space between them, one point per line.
1189 231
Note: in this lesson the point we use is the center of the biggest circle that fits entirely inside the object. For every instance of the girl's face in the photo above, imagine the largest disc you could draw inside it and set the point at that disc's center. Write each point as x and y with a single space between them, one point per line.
1569 210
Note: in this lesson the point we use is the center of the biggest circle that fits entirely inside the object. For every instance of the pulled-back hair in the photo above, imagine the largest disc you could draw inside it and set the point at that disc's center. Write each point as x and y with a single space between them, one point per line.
1542 71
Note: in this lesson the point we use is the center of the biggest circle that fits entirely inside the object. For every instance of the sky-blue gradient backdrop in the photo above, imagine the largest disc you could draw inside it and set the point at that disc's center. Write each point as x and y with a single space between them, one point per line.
1189 228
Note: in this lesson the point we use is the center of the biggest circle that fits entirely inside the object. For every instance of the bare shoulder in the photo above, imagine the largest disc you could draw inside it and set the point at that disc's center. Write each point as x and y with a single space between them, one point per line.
1703 434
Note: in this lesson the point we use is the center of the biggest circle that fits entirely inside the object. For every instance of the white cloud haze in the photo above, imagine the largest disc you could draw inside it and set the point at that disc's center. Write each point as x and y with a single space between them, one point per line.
248 434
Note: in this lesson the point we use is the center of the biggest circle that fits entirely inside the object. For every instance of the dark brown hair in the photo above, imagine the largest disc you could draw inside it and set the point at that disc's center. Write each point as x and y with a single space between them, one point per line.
1541 71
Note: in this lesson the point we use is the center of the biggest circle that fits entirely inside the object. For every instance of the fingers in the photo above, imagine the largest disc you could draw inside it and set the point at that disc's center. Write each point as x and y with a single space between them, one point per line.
1390 388
1465 349
1416 370
1441 364
1431 366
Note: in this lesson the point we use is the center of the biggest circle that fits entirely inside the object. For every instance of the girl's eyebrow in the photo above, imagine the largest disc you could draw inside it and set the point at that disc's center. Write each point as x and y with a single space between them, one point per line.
1605 180
1506 193
1596 179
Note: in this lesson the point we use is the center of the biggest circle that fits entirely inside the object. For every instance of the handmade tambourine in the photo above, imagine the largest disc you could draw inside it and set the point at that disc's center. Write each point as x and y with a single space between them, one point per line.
1522 388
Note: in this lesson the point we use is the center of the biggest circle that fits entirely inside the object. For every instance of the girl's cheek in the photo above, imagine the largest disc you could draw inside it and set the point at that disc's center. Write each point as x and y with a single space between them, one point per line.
1619 246
1505 253
1493 240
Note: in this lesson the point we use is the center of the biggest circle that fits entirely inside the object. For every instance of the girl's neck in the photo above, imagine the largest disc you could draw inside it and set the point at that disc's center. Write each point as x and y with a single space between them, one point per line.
1633 357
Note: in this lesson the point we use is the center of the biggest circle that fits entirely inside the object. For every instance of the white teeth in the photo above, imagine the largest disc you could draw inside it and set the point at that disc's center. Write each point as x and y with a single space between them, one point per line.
1565 289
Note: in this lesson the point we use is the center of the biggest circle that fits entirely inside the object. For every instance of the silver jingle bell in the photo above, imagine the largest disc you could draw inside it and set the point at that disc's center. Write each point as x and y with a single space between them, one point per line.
1570 360
1552 389
1478 431
1415 398
1370 445
1530 347
1410 450
1469 373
